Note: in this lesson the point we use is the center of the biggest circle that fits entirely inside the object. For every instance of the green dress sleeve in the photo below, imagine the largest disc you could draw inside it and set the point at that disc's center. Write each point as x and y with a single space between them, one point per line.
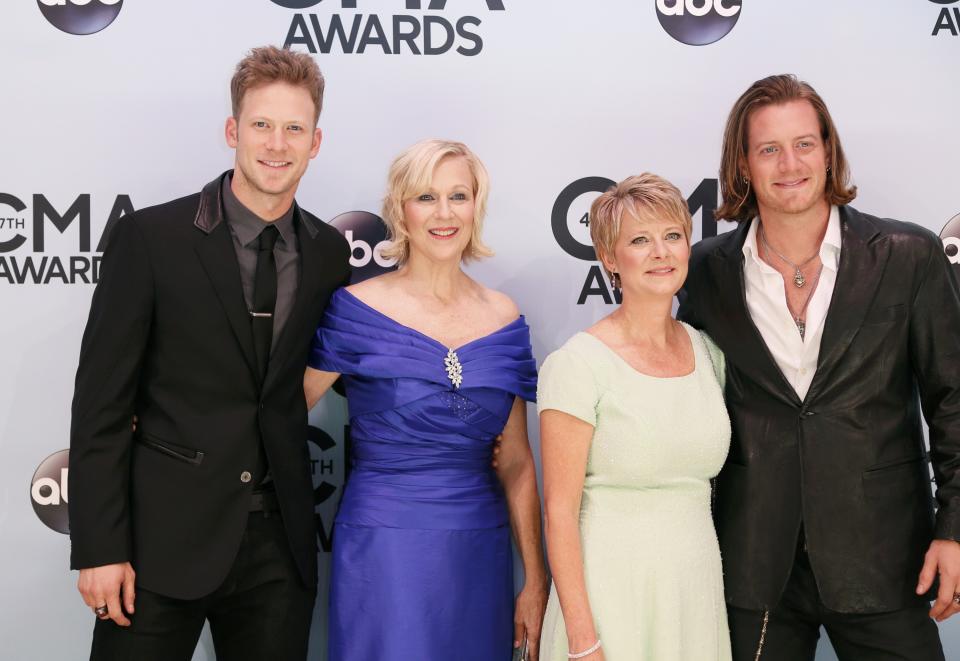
567 384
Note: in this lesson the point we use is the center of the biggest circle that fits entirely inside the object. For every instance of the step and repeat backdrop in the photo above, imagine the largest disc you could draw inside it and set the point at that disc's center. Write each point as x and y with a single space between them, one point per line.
111 105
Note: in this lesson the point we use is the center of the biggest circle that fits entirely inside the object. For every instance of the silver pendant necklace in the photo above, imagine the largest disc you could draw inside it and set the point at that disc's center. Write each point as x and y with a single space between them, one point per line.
799 318
798 279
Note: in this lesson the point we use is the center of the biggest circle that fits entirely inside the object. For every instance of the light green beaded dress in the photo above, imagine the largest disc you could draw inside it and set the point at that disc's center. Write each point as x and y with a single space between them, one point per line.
650 553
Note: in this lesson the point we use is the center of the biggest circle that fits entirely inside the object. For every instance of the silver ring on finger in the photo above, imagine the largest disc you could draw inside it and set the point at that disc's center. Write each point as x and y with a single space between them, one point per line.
102 612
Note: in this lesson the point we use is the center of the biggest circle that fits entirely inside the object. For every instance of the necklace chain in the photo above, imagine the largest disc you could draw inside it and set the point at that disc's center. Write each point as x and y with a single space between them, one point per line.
798 279
798 317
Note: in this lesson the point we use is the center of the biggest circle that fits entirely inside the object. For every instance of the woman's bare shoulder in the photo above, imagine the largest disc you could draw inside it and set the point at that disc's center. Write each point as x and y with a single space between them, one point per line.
373 291
500 305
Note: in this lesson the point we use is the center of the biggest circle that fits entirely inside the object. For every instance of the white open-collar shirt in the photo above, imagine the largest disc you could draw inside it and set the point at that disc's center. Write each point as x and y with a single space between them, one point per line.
767 305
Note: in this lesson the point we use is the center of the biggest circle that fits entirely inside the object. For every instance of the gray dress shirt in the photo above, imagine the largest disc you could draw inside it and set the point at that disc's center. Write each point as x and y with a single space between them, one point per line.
245 227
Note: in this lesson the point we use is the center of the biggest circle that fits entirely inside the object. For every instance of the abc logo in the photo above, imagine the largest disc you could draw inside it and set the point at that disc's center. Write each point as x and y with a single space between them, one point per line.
698 22
950 235
48 491
367 236
80 16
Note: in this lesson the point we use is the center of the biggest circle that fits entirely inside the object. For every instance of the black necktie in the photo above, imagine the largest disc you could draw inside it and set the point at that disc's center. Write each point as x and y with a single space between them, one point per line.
264 297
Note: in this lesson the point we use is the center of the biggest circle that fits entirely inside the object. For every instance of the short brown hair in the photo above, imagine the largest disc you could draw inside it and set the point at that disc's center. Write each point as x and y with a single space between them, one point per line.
411 175
739 199
645 197
269 64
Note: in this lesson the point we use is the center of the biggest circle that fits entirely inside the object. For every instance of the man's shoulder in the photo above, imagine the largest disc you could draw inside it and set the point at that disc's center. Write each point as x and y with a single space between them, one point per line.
902 235
166 215
710 245
323 232
719 245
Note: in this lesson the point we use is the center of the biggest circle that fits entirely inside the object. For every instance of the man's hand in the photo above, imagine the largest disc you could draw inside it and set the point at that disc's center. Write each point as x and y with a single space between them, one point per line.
497 442
943 557
104 586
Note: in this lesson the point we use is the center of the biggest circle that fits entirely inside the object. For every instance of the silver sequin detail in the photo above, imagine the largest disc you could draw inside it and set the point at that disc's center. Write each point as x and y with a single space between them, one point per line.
454 368
462 407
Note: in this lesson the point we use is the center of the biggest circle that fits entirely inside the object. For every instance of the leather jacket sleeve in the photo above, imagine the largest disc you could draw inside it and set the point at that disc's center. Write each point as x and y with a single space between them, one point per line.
935 355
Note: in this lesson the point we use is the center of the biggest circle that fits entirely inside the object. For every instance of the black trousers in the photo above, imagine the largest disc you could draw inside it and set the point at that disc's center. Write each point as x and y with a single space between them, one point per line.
793 628
261 611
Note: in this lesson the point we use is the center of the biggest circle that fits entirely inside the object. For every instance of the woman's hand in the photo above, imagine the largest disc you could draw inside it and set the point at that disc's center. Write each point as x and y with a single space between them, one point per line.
528 618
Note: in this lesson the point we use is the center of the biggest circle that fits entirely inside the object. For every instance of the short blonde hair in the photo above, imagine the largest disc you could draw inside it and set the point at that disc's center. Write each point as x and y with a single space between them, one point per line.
411 174
269 64
645 197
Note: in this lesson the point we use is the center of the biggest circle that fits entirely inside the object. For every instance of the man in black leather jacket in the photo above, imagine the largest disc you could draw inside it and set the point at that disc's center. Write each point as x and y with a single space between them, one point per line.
840 330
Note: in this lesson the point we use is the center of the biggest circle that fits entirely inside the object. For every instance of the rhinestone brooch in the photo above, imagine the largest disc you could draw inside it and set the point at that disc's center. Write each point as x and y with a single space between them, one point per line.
454 368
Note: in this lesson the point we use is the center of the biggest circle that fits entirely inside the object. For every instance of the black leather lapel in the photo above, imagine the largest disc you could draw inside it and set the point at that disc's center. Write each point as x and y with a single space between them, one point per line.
219 260
743 345
862 262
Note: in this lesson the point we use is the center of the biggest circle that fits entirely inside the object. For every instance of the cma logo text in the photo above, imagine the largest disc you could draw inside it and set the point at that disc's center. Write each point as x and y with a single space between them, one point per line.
80 264
388 33
948 21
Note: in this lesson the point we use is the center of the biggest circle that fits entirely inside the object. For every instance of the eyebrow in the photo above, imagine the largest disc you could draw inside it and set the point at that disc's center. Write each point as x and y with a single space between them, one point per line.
433 189
264 118
669 228
806 136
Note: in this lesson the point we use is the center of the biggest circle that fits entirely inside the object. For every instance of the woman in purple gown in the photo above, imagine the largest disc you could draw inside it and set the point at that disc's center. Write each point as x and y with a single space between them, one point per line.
435 366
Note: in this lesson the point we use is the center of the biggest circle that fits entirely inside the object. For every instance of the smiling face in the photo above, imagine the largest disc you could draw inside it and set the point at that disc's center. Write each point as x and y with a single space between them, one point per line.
439 221
274 138
786 159
650 255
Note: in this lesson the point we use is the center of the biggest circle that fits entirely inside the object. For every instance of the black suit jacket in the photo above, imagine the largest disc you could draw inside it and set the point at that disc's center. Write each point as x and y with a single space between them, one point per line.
847 462
169 338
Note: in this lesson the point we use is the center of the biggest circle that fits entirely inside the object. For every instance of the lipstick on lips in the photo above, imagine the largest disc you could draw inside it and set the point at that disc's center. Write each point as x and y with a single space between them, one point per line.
443 232
662 271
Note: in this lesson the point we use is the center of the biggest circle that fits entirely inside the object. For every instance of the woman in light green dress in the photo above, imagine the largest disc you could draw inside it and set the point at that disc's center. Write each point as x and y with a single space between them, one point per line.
633 427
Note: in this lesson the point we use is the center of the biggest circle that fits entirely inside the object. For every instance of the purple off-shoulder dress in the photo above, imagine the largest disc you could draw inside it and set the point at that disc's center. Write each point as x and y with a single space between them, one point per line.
422 562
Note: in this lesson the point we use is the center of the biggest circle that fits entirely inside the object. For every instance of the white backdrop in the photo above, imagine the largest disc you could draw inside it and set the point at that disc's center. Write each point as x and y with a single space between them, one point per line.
559 91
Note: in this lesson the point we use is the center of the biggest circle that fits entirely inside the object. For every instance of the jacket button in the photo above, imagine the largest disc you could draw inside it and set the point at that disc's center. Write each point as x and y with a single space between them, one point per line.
245 477
809 413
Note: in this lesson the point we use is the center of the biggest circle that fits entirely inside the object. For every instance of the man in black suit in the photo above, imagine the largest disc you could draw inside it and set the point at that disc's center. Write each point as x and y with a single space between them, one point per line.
201 324
839 329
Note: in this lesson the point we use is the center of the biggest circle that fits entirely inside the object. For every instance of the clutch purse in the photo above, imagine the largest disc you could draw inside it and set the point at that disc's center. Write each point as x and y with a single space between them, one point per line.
520 653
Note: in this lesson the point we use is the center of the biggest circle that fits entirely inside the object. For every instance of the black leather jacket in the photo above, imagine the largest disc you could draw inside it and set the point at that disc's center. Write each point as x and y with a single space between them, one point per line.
848 462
